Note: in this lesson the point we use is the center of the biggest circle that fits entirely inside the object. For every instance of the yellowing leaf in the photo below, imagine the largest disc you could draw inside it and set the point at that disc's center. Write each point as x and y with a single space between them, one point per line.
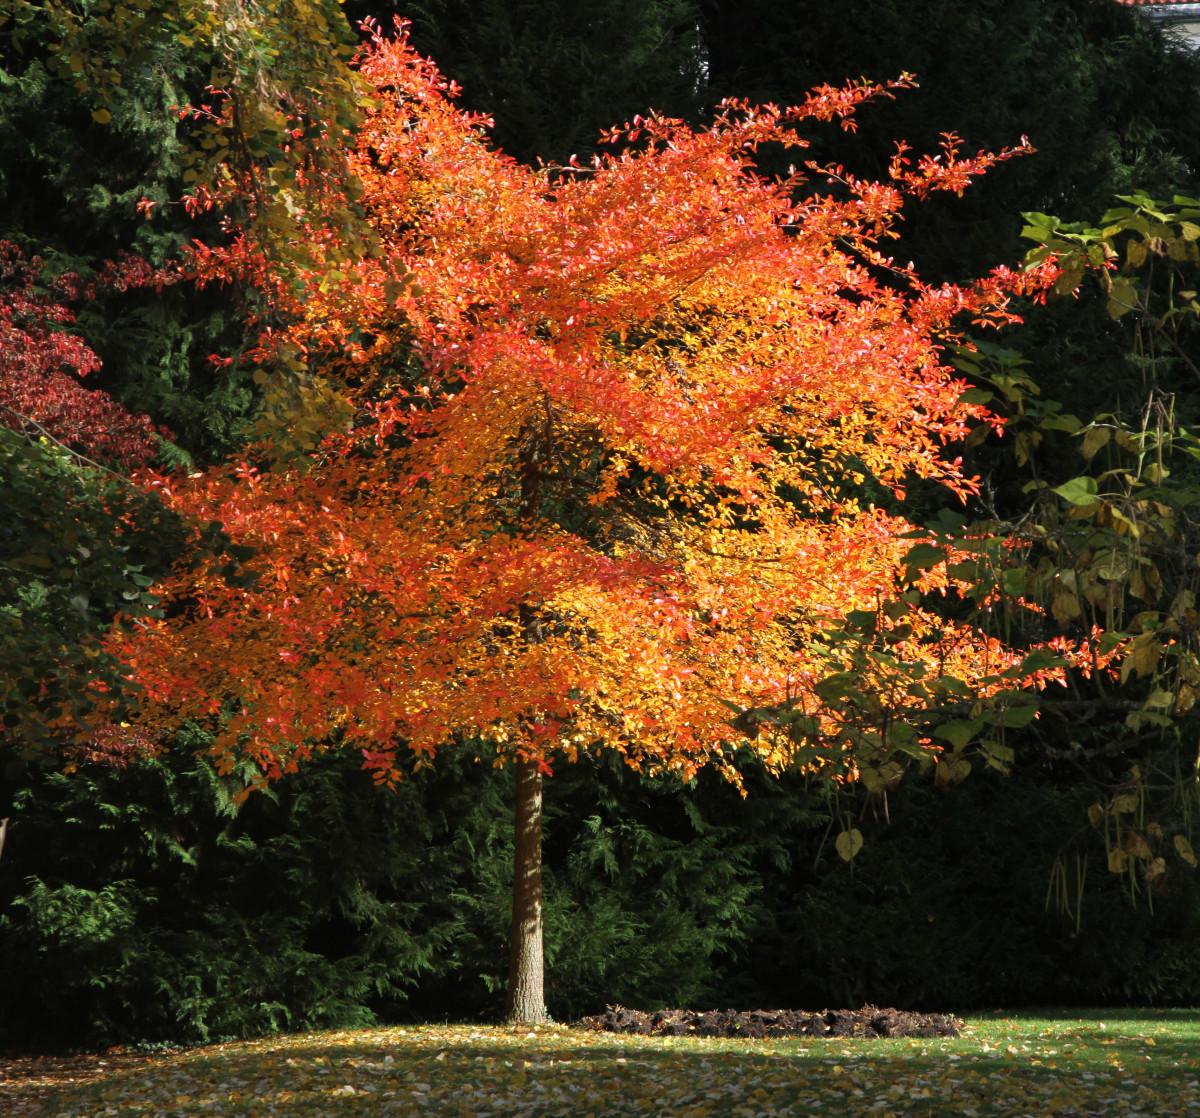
1122 298
1184 849
1118 860
101 116
1065 608
848 844
1096 438
1145 658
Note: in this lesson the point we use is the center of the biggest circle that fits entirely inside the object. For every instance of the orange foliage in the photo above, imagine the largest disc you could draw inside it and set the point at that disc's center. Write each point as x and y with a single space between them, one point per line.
609 424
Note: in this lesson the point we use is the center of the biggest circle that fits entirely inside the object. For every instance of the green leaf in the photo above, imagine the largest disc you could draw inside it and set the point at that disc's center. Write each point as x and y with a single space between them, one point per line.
954 685
1078 491
863 619
1012 718
922 556
959 732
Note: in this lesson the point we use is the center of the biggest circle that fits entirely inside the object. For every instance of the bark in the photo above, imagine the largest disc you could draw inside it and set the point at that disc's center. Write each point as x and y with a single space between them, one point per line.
526 998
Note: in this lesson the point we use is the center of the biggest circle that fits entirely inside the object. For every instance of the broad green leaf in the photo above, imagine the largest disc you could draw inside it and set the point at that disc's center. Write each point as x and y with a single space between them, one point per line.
959 732
922 556
954 685
1013 717
953 769
1078 491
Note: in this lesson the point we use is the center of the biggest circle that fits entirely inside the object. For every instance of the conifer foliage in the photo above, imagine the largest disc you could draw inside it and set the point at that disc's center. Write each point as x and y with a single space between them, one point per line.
571 458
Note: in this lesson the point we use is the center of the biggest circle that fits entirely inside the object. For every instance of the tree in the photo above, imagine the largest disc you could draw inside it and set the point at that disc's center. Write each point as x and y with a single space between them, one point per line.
1109 536
77 535
255 115
40 362
596 469
552 74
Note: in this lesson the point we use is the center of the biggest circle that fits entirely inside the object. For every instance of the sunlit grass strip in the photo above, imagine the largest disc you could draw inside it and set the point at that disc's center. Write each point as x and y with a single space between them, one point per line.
1067 1066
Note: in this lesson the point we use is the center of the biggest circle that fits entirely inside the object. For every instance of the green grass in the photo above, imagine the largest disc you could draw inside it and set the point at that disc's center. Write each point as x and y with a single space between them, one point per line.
1067 1065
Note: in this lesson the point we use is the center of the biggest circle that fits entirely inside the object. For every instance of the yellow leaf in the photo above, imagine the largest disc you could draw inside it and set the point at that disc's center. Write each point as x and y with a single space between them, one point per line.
1126 802
101 116
1065 608
849 843
1145 659
1118 860
1094 440
1184 849
1095 815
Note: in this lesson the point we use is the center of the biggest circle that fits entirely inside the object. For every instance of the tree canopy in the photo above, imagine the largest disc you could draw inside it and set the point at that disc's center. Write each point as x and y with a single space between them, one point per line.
597 468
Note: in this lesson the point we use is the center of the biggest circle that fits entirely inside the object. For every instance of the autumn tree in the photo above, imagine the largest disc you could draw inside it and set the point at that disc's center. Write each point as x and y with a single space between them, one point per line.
78 538
572 459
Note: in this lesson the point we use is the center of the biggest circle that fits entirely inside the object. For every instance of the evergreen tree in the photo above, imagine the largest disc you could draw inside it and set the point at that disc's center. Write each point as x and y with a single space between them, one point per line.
553 73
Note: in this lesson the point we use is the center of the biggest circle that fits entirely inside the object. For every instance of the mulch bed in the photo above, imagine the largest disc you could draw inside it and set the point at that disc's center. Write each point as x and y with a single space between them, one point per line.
759 1023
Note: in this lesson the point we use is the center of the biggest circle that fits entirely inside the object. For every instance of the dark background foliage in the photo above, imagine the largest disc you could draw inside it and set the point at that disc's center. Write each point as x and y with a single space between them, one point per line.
141 905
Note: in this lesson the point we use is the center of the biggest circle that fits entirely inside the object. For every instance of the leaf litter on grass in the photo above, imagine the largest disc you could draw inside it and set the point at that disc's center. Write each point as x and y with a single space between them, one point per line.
1063 1068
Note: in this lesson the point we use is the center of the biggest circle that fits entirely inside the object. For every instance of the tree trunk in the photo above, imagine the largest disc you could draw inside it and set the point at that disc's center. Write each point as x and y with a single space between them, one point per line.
526 996
526 978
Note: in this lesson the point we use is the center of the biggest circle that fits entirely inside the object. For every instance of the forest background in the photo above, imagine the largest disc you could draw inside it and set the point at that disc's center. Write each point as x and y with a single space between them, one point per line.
141 903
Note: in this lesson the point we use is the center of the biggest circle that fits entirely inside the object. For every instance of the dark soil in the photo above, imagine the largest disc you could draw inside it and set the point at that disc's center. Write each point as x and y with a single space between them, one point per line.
866 1022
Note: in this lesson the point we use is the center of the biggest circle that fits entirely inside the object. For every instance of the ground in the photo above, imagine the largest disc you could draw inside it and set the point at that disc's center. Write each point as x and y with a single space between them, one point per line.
26 1081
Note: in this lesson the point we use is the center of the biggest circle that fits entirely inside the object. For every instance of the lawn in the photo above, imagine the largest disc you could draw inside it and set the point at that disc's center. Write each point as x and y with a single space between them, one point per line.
1069 1065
